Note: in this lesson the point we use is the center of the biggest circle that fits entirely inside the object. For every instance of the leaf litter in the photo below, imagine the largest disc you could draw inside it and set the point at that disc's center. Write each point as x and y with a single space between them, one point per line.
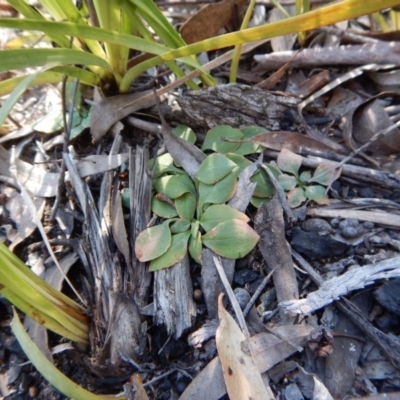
338 116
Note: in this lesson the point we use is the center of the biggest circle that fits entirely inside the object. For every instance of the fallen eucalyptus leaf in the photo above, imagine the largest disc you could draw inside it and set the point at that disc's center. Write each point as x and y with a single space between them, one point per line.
242 378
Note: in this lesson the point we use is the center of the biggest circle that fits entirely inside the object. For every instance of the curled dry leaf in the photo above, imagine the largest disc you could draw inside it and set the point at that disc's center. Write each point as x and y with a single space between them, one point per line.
367 119
242 378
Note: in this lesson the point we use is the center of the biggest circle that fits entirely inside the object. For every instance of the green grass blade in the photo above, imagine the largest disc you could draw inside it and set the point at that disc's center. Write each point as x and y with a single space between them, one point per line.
43 319
46 368
24 58
111 17
86 32
167 33
238 48
15 95
344 10
66 10
53 75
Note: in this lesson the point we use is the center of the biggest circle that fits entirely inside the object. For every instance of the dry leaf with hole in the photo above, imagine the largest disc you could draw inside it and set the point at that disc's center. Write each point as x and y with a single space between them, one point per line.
242 378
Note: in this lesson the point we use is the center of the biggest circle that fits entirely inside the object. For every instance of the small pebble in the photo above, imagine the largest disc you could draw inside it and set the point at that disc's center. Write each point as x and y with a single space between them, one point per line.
242 296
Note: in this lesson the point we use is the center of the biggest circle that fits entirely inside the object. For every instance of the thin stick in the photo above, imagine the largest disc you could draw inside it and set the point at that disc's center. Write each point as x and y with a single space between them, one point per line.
257 293
232 297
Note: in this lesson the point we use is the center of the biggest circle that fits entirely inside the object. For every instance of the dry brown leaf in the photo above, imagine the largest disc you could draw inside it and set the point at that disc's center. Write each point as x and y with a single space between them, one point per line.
38 181
209 20
364 121
112 109
277 140
186 154
97 164
242 378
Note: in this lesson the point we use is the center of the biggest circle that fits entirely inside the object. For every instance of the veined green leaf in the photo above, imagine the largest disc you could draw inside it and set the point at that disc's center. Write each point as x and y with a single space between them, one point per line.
46 368
317 193
326 173
231 239
186 133
214 168
221 192
186 206
174 254
24 58
174 186
162 209
287 182
295 197
218 213
195 247
163 164
153 242
214 139
180 226
289 162
249 147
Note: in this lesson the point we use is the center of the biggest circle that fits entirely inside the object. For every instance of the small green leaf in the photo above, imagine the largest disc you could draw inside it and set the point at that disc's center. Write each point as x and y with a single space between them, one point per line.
317 193
186 133
174 186
250 148
326 173
186 206
153 242
219 213
287 182
241 161
213 140
180 226
194 228
214 168
289 162
296 196
231 239
162 209
195 247
174 254
257 201
264 186
305 176
163 164
221 192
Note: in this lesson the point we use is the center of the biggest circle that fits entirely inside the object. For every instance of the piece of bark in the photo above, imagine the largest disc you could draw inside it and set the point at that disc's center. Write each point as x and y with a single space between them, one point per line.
140 209
269 224
235 105
334 288
211 284
343 55
173 298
